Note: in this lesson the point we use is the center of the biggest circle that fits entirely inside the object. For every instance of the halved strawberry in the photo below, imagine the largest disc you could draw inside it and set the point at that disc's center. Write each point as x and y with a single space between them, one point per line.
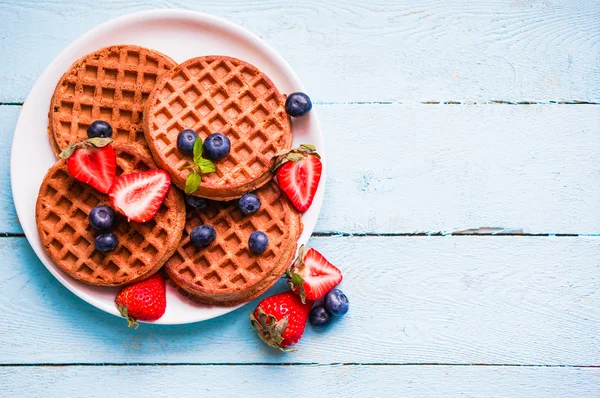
93 162
311 275
138 196
298 174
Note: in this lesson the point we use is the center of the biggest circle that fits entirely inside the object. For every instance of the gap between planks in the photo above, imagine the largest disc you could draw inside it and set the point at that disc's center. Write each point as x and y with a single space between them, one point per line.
116 364
402 234
491 102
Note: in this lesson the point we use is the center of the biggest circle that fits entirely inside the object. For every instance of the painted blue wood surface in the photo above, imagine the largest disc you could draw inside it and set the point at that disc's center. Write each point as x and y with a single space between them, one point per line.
384 50
442 168
398 166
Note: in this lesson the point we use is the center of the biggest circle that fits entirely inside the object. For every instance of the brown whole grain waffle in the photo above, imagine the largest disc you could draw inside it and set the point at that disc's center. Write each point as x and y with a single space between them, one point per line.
62 210
226 272
218 94
110 84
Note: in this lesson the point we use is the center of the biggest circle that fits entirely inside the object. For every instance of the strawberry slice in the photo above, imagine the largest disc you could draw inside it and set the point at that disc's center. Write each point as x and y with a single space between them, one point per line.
312 276
138 196
95 166
298 174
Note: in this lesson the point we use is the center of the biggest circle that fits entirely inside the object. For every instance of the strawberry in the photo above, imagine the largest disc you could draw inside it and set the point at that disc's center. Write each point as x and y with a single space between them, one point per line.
279 320
298 174
138 196
144 301
93 162
311 275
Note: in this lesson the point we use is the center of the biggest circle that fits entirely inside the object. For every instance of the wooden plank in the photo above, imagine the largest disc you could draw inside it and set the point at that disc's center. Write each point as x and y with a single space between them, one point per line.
438 50
469 299
432 168
313 381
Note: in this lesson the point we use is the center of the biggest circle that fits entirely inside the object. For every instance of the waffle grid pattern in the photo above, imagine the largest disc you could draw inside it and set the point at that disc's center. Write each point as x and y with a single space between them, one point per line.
111 84
227 264
220 94
63 208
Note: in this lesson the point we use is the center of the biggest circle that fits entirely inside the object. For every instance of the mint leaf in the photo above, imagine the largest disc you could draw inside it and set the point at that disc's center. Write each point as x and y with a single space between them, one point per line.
206 166
192 182
198 150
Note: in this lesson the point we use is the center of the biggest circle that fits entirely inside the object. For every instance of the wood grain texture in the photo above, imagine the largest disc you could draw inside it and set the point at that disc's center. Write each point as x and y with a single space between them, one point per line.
470 300
432 168
435 50
313 381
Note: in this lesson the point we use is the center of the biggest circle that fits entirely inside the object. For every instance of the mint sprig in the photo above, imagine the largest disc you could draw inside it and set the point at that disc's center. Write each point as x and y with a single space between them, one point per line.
200 166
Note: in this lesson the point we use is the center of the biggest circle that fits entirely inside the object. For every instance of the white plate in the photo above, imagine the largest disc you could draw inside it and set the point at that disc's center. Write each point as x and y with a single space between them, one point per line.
180 35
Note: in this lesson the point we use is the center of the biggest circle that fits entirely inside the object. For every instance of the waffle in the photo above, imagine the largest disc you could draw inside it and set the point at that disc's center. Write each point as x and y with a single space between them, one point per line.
226 272
111 84
218 94
62 210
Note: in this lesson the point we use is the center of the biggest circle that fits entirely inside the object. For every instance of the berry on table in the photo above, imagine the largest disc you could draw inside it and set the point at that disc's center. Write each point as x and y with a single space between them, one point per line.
258 242
106 242
249 204
280 320
102 218
144 301
196 202
203 235
297 104
186 140
319 316
311 276
99 128
336 302
216 146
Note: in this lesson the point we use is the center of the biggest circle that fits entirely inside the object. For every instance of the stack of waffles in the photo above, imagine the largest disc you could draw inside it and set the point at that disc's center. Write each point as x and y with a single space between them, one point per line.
148 99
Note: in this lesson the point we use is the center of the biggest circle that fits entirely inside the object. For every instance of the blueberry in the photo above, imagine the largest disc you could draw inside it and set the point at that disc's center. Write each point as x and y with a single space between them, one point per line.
99 128
102 218
249 203
336 302
203 235
196 202
297 104
106 242
185 141
258 242
216 146
319 316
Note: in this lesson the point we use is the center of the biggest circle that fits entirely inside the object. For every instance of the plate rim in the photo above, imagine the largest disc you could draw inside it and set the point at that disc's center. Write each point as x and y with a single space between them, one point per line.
136 18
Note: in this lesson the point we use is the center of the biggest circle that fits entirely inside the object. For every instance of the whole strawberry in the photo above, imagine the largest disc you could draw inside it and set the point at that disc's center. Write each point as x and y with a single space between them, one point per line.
279 320
143 301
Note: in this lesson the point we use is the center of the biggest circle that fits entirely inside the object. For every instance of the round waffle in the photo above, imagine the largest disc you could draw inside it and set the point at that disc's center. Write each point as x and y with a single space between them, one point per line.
111 84
218 94
62 210
226 272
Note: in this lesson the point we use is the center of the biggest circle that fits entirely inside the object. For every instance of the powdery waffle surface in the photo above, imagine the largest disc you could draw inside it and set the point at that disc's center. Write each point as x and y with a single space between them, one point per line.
62 210
111 84
218 94
227 272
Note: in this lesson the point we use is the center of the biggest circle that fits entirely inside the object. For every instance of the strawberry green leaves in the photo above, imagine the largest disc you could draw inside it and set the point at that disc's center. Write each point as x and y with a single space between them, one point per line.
97 142
200 166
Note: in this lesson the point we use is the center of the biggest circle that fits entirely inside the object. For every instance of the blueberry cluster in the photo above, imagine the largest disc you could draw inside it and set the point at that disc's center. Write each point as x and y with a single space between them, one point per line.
335 303
215 147
205 234
102 218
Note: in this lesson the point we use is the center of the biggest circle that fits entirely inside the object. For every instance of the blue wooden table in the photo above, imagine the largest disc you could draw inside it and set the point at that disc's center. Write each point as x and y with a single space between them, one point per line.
462 204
